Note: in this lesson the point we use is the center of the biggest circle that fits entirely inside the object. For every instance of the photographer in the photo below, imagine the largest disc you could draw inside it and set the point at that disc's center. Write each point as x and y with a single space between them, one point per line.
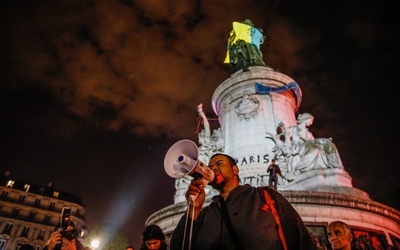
65 239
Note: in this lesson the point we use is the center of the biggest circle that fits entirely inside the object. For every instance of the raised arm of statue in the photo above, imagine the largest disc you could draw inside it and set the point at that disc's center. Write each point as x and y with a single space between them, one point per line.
204 134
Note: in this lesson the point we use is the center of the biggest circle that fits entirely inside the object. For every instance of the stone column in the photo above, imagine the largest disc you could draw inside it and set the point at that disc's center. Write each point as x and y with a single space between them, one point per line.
246 118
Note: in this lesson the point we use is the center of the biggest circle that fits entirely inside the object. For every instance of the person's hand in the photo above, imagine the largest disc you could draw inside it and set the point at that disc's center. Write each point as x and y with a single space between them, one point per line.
195 196
68 244
55 239
196 193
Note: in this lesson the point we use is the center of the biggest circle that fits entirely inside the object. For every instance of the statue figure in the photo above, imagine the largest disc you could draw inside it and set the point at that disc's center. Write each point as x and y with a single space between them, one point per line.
209 144
204 137
298 151
205 134
244 46
217 140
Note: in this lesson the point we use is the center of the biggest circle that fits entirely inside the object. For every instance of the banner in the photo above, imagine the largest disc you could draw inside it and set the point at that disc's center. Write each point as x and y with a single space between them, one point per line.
293 86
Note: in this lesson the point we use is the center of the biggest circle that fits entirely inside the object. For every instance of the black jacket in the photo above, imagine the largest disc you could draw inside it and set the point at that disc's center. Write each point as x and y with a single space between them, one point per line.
254 224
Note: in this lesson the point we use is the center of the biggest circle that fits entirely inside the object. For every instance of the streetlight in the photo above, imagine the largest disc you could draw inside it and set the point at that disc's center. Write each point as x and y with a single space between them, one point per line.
95 243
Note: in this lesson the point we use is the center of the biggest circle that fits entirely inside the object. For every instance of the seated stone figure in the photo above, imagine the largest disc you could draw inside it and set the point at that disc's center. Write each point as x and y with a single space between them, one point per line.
299 151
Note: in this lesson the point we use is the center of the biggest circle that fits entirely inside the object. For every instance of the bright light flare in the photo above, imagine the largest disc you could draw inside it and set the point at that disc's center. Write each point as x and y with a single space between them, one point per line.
94 244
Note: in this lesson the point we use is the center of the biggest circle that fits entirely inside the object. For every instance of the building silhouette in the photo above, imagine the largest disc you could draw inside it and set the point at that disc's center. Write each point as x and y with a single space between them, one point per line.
29 212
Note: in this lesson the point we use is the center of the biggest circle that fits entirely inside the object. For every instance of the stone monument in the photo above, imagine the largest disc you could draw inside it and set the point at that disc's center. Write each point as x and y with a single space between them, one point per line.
256 109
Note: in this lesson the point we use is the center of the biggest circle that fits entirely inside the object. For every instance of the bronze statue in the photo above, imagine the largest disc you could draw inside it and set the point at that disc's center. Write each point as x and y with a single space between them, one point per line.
244 46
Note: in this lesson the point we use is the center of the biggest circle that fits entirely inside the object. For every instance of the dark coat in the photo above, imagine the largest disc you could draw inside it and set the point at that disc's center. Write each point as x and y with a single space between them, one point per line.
255 226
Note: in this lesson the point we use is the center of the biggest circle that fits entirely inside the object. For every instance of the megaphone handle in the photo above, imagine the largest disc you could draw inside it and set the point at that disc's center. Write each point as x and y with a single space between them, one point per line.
192 198
205 182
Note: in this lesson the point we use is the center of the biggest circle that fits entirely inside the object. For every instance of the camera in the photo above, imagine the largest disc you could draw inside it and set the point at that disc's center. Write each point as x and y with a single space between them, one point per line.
66 227
69 234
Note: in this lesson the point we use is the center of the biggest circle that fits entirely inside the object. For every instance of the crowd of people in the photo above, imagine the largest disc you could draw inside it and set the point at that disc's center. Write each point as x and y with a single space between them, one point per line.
242 216
239 217
153 238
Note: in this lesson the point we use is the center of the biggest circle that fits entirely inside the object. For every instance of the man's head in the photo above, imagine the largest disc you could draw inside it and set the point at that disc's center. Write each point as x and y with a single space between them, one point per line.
273 161
129 248
339 235
225 169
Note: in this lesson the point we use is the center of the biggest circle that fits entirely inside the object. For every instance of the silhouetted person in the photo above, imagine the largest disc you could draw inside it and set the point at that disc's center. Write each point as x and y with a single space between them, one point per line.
274 172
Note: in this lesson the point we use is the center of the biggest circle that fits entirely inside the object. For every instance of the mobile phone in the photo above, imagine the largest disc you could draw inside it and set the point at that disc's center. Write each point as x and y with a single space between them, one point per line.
65 217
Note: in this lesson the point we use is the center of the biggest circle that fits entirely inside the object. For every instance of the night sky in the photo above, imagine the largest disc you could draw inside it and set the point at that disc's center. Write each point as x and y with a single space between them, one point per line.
93 93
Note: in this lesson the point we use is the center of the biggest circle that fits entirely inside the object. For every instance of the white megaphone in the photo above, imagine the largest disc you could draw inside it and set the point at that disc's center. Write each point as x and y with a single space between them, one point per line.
182 159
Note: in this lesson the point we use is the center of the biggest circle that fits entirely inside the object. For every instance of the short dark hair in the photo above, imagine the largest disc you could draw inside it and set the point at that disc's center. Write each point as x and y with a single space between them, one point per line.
230 158
153 232
130 247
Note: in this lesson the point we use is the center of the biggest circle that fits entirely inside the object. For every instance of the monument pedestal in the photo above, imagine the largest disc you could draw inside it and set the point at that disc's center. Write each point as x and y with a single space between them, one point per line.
253 127
317 209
